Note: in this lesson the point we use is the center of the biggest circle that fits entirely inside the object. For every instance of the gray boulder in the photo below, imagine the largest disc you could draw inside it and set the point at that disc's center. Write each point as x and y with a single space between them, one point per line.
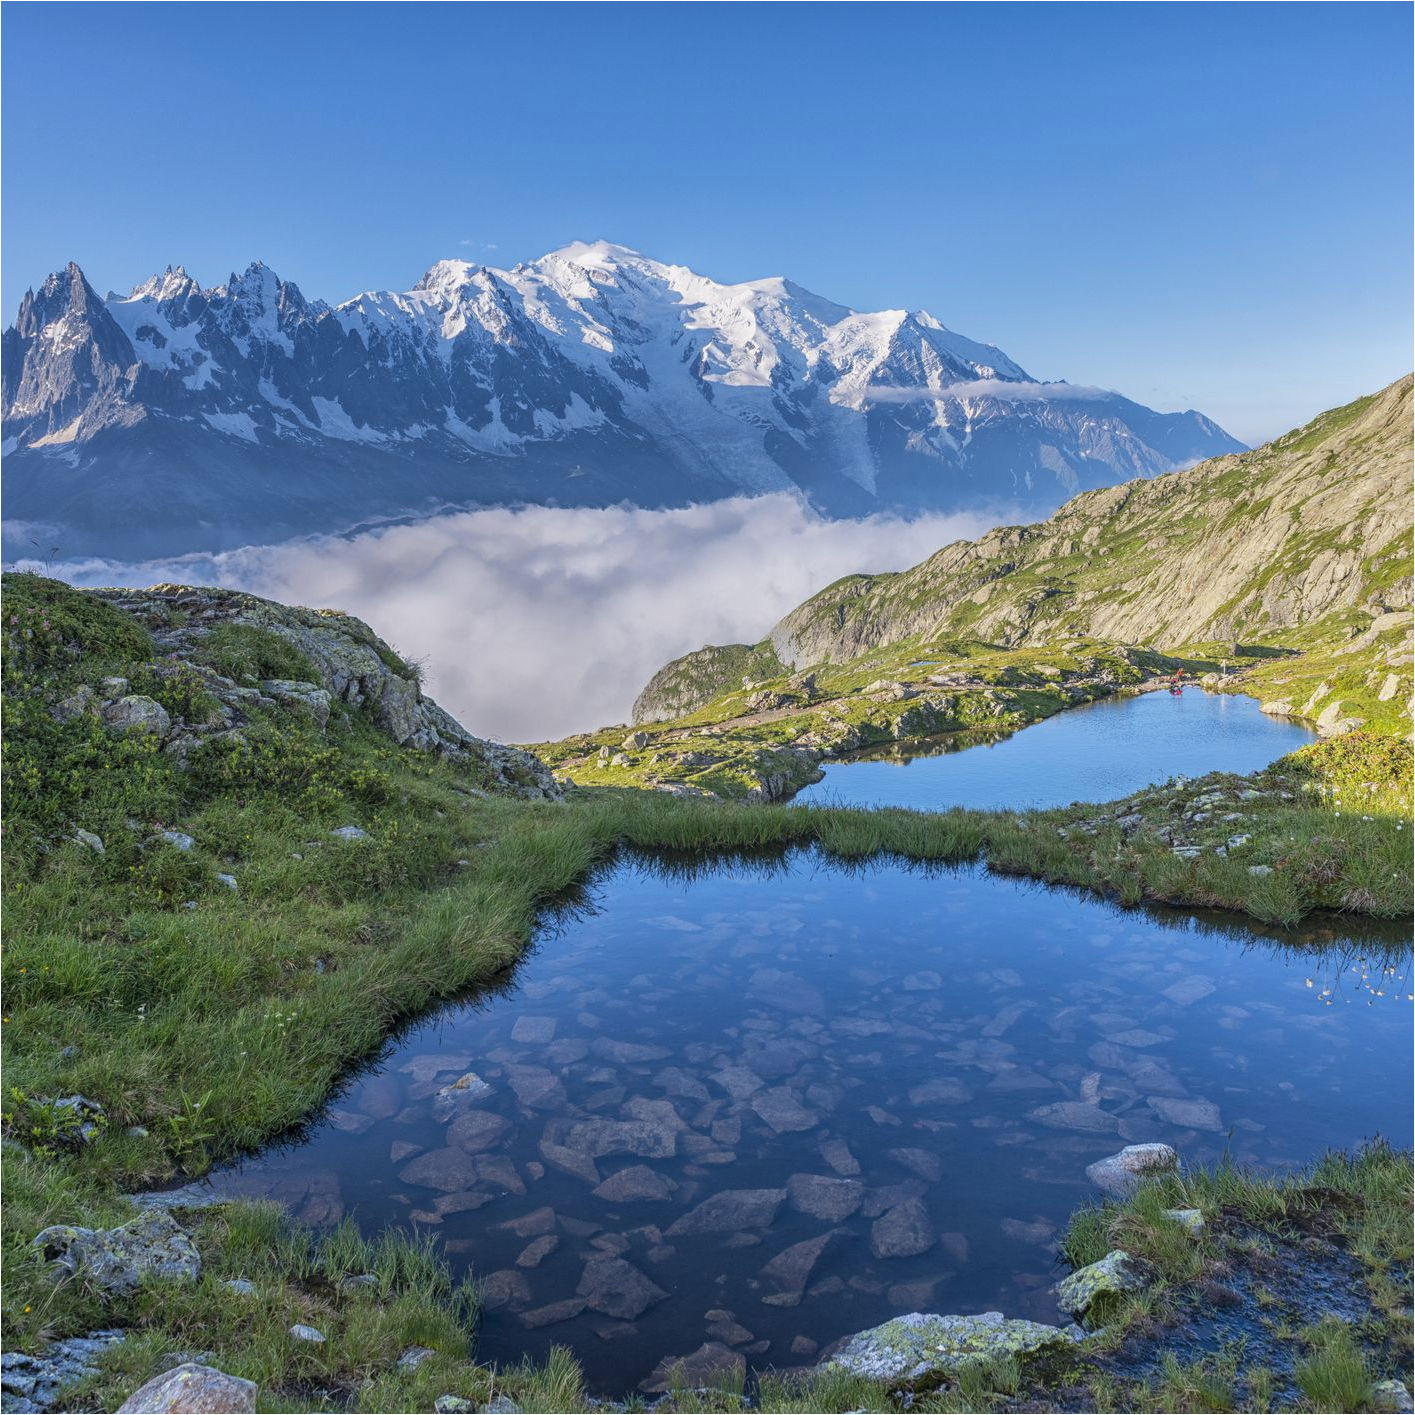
37 1382
194 1388
137 713
923 1345
116 1260
1120 1174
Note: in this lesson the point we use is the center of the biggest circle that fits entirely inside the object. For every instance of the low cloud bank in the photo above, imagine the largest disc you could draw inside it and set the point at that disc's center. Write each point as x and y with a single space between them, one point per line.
535 623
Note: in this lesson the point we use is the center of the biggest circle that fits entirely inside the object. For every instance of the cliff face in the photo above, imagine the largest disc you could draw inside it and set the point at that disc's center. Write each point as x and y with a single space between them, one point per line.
1307 530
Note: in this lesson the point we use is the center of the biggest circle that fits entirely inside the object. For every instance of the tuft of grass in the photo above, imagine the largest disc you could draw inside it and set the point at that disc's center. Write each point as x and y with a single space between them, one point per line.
1335 1374
248 654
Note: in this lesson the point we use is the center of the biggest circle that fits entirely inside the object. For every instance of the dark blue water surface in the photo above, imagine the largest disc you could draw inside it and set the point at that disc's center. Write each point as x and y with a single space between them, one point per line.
906 1070
1094 753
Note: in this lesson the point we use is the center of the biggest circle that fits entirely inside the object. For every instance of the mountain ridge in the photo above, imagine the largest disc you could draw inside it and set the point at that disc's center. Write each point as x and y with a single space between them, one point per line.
1304 543
179 417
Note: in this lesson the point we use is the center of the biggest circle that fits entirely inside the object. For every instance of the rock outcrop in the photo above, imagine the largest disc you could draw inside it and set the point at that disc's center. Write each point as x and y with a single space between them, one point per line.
351 669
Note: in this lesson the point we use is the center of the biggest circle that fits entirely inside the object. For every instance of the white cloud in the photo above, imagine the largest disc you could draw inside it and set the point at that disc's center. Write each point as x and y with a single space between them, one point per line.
539 622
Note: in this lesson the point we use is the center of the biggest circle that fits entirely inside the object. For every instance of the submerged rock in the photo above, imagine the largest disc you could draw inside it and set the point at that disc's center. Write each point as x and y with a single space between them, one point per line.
824 1197
712 1363
788 1272
903 1232
618 1289
202 1390
115 1260
731 1210
919 1345
634 1184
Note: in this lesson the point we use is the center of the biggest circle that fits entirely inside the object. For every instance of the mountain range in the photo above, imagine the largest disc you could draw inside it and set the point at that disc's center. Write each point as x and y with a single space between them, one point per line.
179 418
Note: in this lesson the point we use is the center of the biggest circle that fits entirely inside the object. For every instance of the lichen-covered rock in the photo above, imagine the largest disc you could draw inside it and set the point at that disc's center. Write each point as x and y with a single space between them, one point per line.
201 1390
1392 1396
309 698
136 713
115 1260
1120 1174
1192 1219
922 1345
1109 1276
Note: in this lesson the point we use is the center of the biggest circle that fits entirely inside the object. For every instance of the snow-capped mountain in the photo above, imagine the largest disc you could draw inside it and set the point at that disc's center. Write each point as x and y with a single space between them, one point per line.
181 418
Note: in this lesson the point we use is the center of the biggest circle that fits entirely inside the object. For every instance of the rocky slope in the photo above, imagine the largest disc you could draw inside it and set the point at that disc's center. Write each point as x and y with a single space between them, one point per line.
1303 544
184 703
179 417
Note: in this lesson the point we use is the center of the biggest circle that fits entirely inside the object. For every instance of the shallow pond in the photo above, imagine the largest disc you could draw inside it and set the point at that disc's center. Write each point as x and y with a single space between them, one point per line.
769 1104
1093 753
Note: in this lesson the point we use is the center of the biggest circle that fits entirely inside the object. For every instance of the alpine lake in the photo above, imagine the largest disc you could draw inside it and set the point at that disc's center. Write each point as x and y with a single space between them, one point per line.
767 1102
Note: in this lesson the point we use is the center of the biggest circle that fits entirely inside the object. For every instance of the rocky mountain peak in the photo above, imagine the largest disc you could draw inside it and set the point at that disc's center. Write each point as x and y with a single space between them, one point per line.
591 376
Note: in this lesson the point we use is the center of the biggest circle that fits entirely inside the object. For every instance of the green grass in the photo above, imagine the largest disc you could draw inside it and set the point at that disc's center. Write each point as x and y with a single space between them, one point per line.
1335 1374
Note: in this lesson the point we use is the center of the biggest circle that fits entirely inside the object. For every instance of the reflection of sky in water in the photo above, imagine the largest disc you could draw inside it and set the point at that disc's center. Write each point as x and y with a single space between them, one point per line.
1094 753
934 1056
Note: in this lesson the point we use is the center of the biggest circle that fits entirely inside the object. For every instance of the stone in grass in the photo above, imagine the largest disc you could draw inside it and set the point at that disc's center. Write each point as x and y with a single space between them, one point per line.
202 1390
241 1286
1392 1396
138 713
452 1405
501 1405
301 1332
923 1345
349 832
94 842
1109 1276
1120 1174
178 839
1192 1219
414 1356
115 1260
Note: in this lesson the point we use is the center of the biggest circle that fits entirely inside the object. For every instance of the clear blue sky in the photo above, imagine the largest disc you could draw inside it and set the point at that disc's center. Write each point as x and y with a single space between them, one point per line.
1201 205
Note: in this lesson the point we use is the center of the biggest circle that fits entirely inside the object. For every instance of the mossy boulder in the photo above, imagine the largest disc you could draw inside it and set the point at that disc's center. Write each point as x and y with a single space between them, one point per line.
1108 1277
116 1260
923 1346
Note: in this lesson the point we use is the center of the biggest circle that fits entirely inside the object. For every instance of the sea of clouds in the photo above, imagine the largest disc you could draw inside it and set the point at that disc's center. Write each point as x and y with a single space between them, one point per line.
534 623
